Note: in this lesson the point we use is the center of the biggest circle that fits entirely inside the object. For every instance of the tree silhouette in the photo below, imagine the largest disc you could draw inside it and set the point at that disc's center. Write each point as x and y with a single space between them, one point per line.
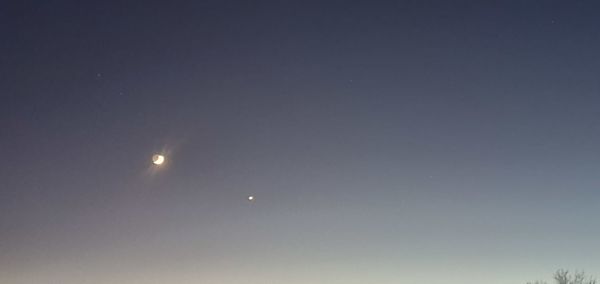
563 276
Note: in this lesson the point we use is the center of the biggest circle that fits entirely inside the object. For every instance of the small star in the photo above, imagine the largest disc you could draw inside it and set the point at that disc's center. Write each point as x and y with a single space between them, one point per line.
251 198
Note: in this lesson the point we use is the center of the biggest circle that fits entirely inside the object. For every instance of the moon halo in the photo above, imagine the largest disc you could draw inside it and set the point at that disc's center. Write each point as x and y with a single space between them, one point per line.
158 159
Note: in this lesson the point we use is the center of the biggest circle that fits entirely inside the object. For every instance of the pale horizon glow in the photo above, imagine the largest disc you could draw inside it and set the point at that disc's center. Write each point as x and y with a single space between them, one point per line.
298 142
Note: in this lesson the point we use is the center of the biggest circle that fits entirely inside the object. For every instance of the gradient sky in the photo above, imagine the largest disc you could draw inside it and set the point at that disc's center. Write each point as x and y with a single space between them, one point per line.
386 142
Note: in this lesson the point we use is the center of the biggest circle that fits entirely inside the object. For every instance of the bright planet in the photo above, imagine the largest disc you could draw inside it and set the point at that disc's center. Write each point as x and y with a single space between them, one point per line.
158 159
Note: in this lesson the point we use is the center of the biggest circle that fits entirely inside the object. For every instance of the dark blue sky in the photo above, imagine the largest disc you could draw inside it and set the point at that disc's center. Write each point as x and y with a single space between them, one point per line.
384 141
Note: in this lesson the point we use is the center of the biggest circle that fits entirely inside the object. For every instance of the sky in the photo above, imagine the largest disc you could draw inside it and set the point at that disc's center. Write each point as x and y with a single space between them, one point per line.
450 142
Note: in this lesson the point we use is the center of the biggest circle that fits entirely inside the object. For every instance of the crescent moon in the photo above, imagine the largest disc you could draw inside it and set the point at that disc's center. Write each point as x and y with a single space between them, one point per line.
158 159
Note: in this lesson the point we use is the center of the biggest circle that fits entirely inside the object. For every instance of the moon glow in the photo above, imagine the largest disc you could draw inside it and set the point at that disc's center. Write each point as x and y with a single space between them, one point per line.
158 159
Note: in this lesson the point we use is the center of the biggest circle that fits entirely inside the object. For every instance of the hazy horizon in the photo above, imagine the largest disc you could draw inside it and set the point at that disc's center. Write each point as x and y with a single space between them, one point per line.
450 142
